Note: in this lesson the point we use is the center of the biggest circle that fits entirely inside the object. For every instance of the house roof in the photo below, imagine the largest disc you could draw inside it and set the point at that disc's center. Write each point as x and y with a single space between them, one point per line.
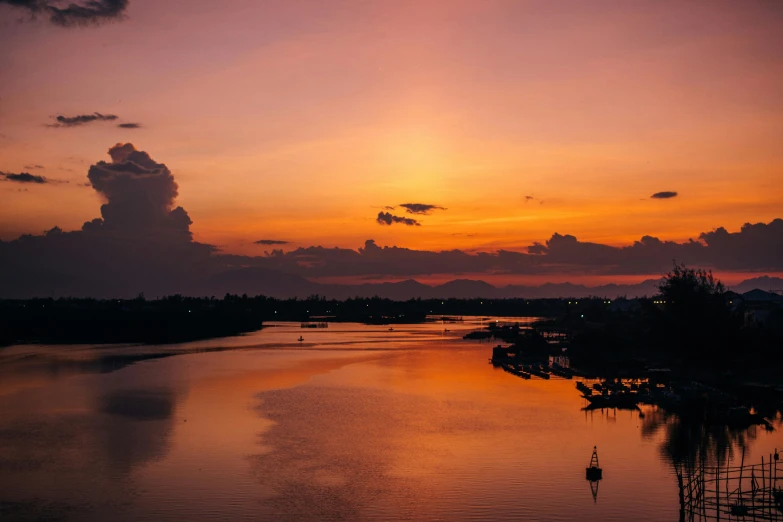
760 295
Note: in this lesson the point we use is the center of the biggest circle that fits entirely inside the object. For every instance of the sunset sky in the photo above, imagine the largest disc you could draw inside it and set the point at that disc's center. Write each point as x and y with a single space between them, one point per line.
301 121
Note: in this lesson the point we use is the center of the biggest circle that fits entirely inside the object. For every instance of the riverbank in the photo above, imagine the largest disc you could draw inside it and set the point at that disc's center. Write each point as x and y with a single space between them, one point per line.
169 320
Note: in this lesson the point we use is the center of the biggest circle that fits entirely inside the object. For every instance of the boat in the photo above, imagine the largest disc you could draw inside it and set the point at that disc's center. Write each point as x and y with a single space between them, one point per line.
300 339
559 371
536 370
391 329
614 400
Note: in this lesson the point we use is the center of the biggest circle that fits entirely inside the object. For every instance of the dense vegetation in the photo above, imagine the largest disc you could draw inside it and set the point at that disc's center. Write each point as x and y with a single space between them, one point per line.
694 325
167 320
177 318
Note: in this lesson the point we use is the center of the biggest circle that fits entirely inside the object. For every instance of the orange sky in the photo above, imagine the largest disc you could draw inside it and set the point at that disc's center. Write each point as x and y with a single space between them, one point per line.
298 121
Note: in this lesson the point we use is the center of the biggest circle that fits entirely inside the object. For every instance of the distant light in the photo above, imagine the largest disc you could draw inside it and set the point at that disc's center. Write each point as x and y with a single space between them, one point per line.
583 315
188 311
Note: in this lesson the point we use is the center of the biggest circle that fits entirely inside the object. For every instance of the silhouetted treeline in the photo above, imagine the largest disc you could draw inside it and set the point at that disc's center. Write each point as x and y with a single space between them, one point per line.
386 311
178 318
167 320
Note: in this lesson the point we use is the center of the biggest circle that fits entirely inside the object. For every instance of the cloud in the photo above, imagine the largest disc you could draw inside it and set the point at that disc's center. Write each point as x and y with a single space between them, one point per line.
36 166
757 247
664 195
23 177
81 119
385 218
141 242
270 242
129 125
139 195
86 12
420 208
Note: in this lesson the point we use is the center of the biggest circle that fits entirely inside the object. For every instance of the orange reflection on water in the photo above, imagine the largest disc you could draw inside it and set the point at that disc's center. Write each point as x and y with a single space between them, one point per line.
361 423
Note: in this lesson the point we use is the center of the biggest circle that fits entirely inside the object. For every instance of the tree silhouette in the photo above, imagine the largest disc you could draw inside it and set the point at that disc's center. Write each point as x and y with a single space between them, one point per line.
697 321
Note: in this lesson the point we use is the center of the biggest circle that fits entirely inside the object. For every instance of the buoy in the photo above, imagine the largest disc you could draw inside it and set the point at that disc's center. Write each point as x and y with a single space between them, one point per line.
593 472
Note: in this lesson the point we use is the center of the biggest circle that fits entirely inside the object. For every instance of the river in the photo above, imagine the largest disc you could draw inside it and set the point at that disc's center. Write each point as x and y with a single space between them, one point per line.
355 422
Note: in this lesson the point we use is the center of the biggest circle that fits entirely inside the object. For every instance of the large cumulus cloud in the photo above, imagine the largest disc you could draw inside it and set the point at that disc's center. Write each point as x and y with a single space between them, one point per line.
139 195
141 243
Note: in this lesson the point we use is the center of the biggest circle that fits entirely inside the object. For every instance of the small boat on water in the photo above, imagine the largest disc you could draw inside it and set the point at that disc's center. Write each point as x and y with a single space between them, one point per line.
614 400
300 339
391 329
534 369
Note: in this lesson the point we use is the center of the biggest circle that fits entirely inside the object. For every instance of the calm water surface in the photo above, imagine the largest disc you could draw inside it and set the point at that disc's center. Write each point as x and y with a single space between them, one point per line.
356 422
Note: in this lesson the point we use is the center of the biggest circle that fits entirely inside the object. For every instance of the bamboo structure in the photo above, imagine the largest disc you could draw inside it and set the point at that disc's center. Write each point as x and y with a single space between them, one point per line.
751 492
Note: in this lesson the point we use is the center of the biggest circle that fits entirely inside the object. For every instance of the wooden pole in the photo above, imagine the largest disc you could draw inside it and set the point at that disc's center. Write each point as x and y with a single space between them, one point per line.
742 467
682 495
717 487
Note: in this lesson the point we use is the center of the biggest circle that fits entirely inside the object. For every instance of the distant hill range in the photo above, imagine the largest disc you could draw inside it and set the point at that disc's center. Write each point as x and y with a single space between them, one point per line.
264 281
254 281
766 283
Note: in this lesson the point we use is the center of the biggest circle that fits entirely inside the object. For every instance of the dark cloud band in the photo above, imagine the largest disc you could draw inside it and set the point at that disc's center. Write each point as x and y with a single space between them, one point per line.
142 242
664 195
